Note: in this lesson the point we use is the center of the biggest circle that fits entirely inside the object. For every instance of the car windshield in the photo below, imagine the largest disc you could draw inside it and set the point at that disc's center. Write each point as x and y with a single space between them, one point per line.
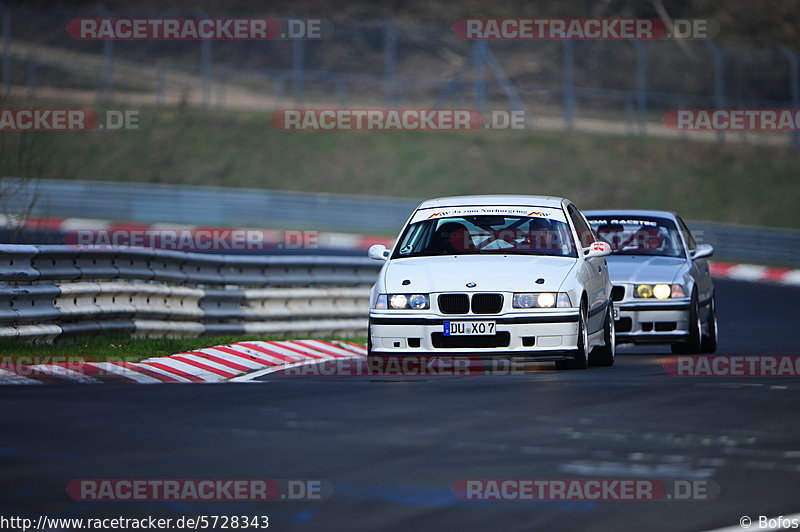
489 234
639 235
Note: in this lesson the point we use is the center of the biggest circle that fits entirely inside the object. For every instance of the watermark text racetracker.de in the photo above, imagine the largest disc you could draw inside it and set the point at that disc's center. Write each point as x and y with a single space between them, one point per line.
396 120
68 120
402 366
733 119
204 240
187 490
595 489
191 29
734 366
31 365
554 29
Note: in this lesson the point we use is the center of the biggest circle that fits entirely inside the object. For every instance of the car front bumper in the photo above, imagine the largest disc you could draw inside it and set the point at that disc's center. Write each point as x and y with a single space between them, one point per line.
652 322
540 335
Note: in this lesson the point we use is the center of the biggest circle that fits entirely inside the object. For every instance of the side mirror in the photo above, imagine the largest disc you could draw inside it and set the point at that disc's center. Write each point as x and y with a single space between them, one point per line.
702 250
597 249
378 252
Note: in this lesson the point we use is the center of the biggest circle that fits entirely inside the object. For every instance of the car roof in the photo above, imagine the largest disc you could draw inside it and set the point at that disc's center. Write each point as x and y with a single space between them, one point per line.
631 212
493 199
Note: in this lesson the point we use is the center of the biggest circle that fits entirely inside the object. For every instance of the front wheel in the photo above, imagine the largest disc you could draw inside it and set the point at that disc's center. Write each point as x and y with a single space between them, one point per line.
709 342
580 361
369 338
603 356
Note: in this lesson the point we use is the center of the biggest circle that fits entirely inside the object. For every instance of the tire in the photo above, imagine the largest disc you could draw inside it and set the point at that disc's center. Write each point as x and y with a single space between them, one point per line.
692 345
603 356
708 344
369 338
580 361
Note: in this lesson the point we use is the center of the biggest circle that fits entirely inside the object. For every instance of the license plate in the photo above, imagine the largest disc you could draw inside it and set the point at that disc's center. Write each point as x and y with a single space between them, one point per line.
616 314
468 328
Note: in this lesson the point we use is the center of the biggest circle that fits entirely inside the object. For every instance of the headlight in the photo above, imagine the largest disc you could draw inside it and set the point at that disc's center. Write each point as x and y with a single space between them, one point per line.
406 301
644 290
659 291
662 291
419 301
398 301
546 300
541 300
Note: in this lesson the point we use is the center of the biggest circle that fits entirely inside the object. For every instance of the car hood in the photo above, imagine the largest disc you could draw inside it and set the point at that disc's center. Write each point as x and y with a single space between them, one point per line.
644 269
505 273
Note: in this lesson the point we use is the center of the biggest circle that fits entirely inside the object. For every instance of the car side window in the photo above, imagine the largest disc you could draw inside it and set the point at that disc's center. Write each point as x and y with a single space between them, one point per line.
585 233
687 235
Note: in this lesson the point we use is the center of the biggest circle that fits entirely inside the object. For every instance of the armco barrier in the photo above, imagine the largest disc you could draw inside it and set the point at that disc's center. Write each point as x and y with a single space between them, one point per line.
149 203
50 291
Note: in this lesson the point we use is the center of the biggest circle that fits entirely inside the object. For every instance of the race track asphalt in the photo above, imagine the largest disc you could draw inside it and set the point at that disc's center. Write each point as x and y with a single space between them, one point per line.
393 448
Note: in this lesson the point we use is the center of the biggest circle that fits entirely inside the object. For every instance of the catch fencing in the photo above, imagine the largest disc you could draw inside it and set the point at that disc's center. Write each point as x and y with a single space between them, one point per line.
624 86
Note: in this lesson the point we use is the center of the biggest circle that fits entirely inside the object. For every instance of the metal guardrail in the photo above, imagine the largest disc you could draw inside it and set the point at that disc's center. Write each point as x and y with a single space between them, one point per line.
209 206
58 291
740 243
231 207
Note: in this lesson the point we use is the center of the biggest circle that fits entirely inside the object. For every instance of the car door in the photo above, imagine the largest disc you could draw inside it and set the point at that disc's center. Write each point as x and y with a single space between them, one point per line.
595 270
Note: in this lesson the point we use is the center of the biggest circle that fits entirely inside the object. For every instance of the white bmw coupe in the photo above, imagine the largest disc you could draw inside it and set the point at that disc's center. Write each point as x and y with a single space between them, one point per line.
495 276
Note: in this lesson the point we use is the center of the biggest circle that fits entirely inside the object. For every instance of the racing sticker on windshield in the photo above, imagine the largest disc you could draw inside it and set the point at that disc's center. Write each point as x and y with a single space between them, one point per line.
626 221
494 210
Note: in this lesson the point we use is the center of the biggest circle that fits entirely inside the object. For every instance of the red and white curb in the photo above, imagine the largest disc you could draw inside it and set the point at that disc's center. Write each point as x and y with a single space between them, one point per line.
221 363
753 273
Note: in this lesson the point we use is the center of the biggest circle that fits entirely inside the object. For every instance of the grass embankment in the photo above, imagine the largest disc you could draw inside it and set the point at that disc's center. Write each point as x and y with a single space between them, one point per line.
119 348
704 181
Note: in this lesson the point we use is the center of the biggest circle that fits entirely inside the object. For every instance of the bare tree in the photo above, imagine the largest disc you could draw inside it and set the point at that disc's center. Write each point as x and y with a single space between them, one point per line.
23 157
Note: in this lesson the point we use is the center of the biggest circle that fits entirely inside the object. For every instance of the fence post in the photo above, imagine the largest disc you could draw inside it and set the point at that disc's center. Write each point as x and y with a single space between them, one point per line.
298 61
479 85
205 65
298 70
568 90
389 64
628 111
341 94
6 56
160 85
719 81
280 91
641 85
31 77
795 88
221 83
107 86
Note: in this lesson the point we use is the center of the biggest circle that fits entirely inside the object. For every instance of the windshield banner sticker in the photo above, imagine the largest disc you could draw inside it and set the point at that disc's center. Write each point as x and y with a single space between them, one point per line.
495 210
